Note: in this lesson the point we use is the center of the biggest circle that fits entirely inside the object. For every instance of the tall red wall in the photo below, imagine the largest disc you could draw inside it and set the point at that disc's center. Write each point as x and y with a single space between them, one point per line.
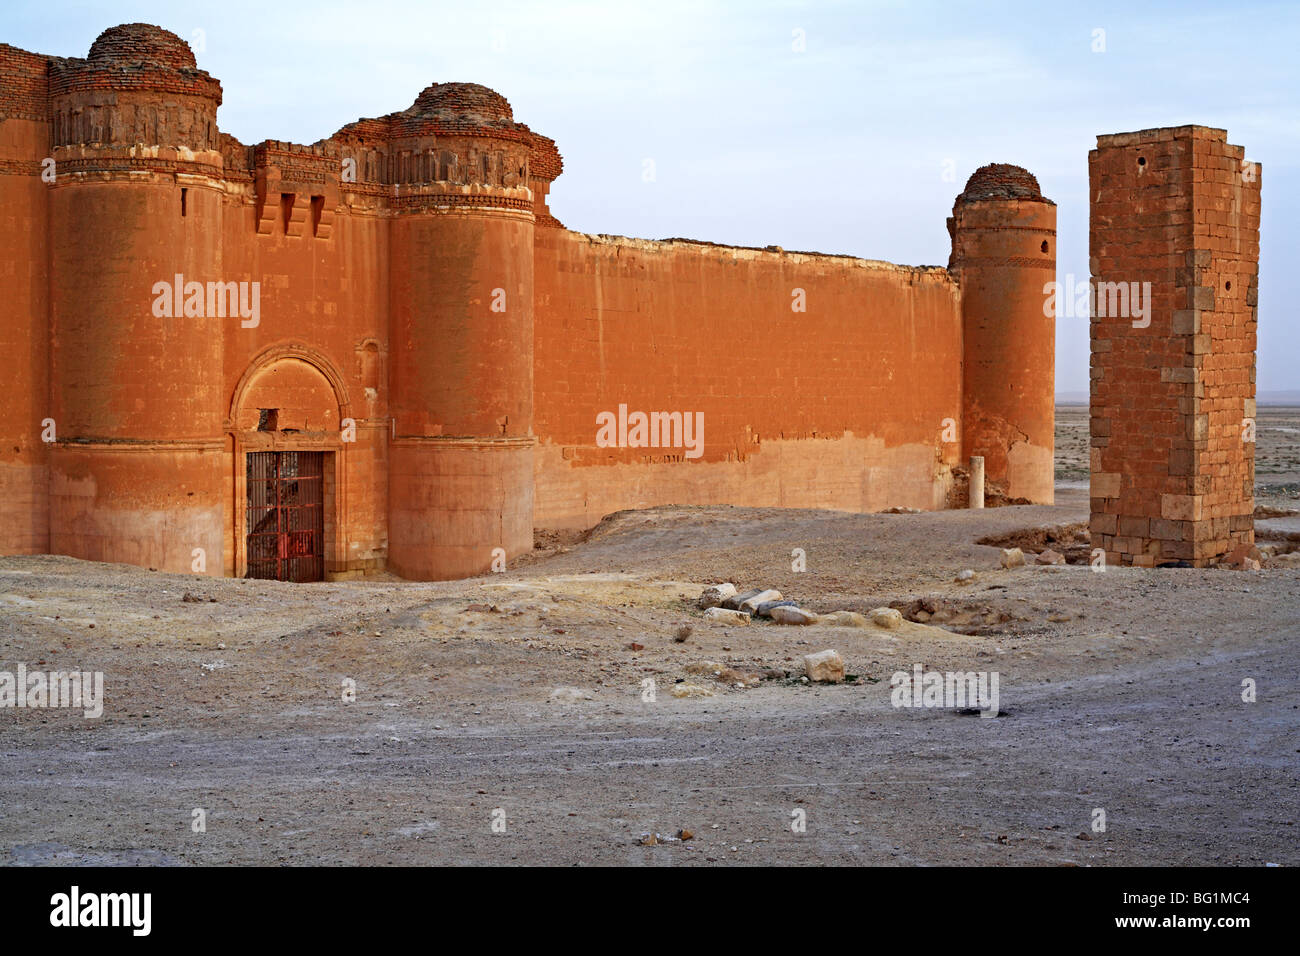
324 304
841 406
414 285
24 322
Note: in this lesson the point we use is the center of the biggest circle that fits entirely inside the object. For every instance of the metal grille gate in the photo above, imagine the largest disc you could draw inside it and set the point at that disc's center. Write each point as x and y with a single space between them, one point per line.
286 515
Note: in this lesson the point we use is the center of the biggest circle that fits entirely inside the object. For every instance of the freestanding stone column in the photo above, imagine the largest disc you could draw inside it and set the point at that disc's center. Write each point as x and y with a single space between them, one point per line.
1175 263
976 481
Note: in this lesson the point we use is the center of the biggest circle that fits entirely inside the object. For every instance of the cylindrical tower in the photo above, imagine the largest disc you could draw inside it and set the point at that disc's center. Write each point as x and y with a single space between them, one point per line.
135 231
1004 254
461 312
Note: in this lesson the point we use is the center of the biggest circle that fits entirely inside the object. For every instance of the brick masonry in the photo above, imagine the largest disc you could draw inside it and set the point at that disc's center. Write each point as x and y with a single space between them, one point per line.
413 281
1173 392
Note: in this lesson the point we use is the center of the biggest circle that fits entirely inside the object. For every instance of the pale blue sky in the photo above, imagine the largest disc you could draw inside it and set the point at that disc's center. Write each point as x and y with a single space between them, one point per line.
840 148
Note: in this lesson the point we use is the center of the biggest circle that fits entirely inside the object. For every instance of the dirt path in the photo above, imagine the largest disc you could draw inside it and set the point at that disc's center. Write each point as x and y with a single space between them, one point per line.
1121 691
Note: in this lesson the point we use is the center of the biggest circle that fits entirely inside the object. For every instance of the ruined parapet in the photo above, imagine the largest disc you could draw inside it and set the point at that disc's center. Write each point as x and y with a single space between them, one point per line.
296 188
544 167
1004 254
1174 246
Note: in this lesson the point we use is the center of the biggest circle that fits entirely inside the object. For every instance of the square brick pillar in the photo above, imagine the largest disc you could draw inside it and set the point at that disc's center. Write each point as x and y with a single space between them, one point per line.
1173 362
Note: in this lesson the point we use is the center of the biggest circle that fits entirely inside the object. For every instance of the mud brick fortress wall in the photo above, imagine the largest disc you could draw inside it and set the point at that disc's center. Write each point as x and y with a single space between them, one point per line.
428 326
1173 392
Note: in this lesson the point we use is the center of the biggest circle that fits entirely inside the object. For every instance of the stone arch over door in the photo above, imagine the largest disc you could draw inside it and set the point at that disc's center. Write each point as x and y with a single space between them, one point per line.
310 386
290 399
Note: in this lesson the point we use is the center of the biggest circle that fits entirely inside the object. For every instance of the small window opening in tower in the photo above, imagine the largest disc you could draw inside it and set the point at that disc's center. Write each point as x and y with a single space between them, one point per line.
184 194
1142 160
1044 246
267 419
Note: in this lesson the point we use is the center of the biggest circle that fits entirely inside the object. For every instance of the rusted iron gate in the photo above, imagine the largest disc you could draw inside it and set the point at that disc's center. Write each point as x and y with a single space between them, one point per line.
286 515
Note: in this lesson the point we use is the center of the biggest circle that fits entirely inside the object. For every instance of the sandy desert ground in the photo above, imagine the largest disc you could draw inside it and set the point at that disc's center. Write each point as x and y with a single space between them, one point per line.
520 697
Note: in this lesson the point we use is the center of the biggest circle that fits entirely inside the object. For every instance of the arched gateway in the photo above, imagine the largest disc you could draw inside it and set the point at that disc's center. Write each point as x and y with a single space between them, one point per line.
287 423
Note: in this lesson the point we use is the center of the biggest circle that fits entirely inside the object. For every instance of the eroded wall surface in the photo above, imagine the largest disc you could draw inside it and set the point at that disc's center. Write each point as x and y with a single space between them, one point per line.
839 406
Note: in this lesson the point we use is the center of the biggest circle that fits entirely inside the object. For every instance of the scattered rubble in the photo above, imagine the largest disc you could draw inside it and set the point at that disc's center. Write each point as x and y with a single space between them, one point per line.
715 595
824 667
765 609
722 615
1072 540
844 619
887 617
732 603
750 604
792 615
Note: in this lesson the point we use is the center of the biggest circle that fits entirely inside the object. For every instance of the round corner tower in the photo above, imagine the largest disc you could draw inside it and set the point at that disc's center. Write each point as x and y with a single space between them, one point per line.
1004 254
135 211
461 312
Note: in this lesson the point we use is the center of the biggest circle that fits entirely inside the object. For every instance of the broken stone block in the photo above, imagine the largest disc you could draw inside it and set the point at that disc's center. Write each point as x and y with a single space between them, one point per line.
722 615
762 597
733 602
887 617
793 615
1013 558
1243 552
844 619
765 609
966 576
714 596
1050 557
824 667
708 668
691 690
